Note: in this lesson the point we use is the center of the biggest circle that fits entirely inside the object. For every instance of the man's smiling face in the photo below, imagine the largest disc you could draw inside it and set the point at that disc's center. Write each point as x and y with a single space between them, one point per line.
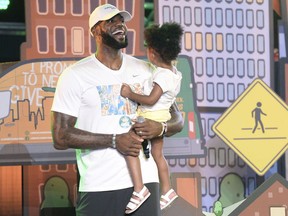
114 32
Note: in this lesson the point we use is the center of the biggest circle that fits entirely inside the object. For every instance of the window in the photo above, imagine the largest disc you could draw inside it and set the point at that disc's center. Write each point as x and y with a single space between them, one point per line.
211 133
261 68
240 88
229 17
210 91
177 14
250 43
229 42
166 14
222 157
231 158
240 43
219 42
77 7
202 162
60 40
260 19
208 17
212 186
204 186
251 68
198 41
250 18
218 17
42 39
77 40
188 41
240 68
239 18
260 44
198 16
209 67
59 7
220 67
230 67
231 92
200 91
42 7
187 16
199 66
209 41
220 92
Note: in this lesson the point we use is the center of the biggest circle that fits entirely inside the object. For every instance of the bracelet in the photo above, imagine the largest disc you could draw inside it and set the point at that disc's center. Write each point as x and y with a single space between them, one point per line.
114 141
164 129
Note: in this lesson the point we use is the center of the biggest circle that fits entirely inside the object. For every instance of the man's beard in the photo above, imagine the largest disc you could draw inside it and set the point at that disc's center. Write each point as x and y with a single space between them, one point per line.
112 42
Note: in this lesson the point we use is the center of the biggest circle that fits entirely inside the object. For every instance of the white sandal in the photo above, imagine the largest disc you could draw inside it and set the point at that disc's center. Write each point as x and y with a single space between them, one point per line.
134 204
165 200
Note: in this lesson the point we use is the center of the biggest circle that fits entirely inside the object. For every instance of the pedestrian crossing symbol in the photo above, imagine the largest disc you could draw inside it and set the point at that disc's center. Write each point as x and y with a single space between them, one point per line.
255 126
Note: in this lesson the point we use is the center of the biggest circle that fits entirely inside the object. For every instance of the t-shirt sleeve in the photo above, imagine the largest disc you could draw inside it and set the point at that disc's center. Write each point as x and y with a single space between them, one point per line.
67 98
163 80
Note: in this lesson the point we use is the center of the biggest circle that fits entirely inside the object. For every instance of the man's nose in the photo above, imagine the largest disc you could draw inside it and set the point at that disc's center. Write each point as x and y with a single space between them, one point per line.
120 23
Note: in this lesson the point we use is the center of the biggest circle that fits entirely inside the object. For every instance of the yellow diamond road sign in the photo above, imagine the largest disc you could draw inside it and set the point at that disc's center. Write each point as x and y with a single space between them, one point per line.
255 126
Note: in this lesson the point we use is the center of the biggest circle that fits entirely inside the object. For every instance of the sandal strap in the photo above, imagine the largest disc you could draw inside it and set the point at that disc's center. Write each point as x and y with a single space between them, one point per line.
165 200
136 203
139 195
166 196
132 203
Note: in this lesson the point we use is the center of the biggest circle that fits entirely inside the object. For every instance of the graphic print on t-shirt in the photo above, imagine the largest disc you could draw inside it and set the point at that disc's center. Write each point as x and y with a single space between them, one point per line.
112 103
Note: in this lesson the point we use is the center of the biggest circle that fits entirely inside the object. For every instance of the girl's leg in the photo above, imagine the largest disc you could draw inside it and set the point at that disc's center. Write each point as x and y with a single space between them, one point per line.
163 171
135 172
141 193
168 194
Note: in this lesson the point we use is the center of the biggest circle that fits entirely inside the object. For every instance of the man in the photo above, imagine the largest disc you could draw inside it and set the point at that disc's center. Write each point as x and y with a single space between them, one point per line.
89 114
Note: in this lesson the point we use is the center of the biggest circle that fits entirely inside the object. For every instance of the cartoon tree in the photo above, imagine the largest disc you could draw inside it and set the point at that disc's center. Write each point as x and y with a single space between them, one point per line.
217 208
231 190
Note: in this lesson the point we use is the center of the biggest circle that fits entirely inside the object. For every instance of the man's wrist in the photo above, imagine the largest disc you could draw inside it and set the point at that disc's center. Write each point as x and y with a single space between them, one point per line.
113 145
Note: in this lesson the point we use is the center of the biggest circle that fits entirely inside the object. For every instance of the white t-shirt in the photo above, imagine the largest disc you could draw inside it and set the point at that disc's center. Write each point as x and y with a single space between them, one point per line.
170 83
90 91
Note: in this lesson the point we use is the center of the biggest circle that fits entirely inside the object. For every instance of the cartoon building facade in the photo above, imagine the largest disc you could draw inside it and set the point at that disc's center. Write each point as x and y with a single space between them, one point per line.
230 44
71 37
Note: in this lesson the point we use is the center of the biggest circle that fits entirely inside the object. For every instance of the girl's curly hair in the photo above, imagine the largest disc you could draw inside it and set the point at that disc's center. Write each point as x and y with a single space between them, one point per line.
165 40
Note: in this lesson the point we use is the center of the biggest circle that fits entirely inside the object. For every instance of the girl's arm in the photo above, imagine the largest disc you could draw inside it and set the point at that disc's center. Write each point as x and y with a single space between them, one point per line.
142 99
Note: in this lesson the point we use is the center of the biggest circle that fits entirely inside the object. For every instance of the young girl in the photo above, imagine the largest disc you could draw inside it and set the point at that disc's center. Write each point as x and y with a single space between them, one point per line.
163 46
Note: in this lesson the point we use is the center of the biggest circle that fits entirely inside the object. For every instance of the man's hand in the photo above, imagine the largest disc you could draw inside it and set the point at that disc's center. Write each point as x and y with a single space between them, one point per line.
148 129
129 143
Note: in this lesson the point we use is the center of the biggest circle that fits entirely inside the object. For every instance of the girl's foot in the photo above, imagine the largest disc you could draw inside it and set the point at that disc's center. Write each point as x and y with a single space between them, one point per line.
137 200
167 199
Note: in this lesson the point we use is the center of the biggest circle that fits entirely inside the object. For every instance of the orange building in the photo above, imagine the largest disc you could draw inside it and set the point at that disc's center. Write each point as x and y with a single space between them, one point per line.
59 29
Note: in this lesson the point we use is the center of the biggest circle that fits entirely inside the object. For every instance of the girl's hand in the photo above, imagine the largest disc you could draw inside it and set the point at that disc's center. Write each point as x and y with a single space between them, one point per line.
125 90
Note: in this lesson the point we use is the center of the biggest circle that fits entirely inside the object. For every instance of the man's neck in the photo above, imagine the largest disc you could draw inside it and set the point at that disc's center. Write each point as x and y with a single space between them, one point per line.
110 58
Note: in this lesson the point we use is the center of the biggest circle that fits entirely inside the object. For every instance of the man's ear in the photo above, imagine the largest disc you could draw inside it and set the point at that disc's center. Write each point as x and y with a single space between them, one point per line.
94 30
